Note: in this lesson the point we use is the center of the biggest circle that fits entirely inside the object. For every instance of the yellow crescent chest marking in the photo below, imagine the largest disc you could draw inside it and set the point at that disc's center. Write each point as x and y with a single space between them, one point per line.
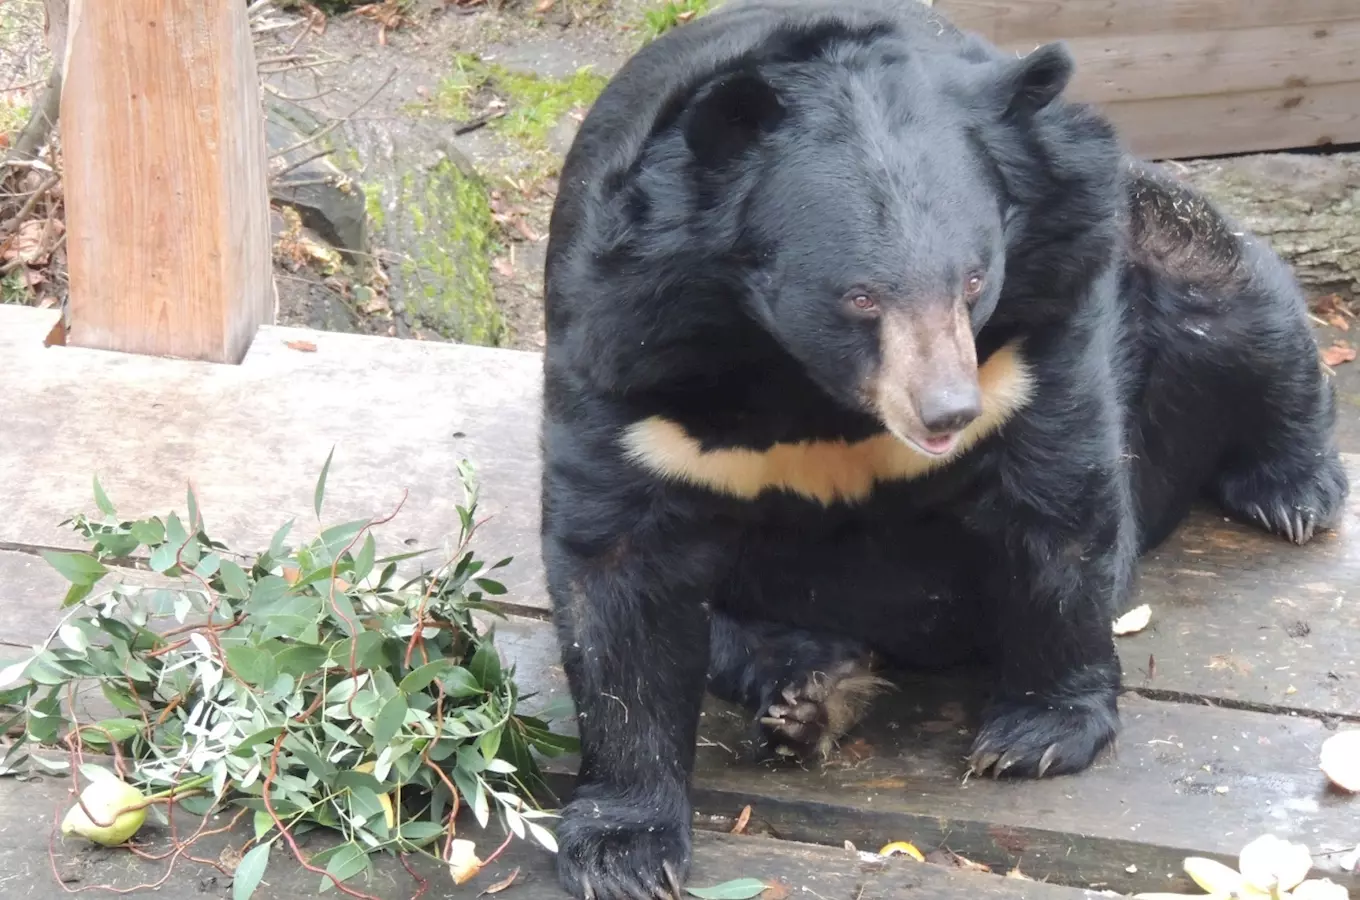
823 471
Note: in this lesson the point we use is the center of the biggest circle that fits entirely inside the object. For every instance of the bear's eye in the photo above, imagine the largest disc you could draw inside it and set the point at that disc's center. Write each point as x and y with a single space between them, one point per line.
863 302
973 286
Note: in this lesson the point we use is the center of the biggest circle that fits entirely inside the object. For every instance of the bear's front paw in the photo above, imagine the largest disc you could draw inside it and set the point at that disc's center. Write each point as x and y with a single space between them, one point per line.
1293 507
612 850
1033 738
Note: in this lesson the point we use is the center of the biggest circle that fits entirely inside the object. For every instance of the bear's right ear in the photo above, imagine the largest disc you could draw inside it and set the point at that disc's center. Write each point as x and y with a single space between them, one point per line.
729 115
1037 79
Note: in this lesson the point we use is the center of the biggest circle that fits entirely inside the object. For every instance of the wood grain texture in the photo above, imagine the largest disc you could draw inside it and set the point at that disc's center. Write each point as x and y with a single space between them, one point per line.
1225 61
1183 779
1183 127
1036 21
790 869
253 438
1250 620
167 205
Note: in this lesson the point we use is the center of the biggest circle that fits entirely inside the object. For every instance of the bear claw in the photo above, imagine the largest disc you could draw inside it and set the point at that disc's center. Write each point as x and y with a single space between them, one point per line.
815 713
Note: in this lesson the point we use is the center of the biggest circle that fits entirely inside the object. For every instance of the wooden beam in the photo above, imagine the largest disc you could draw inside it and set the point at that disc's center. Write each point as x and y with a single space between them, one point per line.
166 197
1029 22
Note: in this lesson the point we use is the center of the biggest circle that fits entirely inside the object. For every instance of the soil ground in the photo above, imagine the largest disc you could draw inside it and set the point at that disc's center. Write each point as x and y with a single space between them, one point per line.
397 76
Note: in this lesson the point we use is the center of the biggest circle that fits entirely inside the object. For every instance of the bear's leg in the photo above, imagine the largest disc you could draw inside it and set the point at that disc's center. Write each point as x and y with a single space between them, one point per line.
1284 475
634 636
806 690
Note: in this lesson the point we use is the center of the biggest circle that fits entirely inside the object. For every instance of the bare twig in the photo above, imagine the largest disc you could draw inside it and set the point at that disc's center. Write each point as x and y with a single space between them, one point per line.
300 163
24 211
336 123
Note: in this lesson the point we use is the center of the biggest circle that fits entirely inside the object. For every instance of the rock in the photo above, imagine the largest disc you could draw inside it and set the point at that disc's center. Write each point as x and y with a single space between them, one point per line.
430 214
330 204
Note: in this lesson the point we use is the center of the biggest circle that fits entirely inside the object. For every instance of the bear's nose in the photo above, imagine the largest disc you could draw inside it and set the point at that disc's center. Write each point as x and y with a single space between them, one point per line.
950 409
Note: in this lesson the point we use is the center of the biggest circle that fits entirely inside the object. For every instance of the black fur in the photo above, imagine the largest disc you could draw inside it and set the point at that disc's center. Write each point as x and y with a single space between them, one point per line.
736 180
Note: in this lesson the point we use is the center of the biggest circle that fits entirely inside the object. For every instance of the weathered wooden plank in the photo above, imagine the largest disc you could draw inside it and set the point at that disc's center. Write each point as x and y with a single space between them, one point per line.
1182 127
253 437
1036 21
1183 780
791 869
1226 635
30 594
1226 61
166 200
1252 621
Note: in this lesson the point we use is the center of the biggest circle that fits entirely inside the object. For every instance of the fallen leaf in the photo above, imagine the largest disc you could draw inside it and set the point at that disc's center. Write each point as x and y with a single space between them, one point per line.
544 5
503 266
742 820
946 857
503 883
1017 875
737 889
1341 760
776 890
1340 352
1133 621
304 346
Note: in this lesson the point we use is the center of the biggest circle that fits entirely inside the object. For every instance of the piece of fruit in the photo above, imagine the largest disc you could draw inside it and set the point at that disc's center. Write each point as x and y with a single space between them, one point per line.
1270 863
463 862
1133 621
902 848
1212 876
1341 760
109 801
1320 889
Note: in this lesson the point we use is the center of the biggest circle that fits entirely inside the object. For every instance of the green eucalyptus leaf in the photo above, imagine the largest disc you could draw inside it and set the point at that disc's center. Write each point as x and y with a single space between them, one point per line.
737 889
250 871
77 568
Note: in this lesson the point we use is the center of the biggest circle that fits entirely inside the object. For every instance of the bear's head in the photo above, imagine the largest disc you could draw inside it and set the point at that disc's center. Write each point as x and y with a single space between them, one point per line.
883 205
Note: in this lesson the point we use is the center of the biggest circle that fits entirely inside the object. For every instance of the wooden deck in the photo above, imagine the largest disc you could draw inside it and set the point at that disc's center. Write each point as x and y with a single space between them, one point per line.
1188 78
1251 661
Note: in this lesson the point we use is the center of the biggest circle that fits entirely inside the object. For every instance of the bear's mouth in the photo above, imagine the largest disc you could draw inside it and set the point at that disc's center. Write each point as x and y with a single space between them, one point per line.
936 445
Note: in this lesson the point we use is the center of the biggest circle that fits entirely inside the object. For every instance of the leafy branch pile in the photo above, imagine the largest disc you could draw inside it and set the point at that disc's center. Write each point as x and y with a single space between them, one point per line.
307 687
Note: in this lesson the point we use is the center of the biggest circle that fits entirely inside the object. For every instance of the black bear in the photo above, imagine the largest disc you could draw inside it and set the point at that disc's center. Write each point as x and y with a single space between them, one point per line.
863 339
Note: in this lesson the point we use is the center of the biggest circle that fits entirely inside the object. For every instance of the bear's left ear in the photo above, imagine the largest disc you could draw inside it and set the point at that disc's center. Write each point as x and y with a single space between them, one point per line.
729 115
1037 79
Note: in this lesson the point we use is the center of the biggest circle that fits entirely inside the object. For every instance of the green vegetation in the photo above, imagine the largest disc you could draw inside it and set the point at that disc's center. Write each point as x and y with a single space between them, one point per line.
14 288
672 13
534 105
444 222
12 118
304 686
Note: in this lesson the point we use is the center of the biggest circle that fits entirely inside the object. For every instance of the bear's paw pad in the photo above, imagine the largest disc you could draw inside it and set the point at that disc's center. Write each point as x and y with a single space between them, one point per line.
809 716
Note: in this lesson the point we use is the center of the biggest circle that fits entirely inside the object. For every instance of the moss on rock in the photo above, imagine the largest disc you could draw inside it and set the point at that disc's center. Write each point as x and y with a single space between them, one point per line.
534 104
439 220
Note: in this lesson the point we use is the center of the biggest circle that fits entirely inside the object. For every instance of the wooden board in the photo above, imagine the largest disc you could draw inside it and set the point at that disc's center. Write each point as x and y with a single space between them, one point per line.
789 869
1184 779
166 199
1252 621
253 438
1036 21
1183 127
1227 61
1228 601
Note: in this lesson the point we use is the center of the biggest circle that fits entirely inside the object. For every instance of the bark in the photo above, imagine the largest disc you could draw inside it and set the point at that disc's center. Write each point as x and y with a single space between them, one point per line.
1306 206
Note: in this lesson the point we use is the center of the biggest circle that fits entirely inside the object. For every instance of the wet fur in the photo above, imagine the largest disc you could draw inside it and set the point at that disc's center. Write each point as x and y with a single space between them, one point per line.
1163 361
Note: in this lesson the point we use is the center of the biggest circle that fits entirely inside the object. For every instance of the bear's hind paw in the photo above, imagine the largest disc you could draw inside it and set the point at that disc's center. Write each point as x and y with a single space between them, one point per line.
810 716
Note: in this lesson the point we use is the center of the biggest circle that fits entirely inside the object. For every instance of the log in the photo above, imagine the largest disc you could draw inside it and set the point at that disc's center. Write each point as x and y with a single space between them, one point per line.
167 205
1306 206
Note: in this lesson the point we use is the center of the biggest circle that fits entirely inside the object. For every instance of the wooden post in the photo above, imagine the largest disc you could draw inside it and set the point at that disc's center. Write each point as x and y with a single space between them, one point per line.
167 207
